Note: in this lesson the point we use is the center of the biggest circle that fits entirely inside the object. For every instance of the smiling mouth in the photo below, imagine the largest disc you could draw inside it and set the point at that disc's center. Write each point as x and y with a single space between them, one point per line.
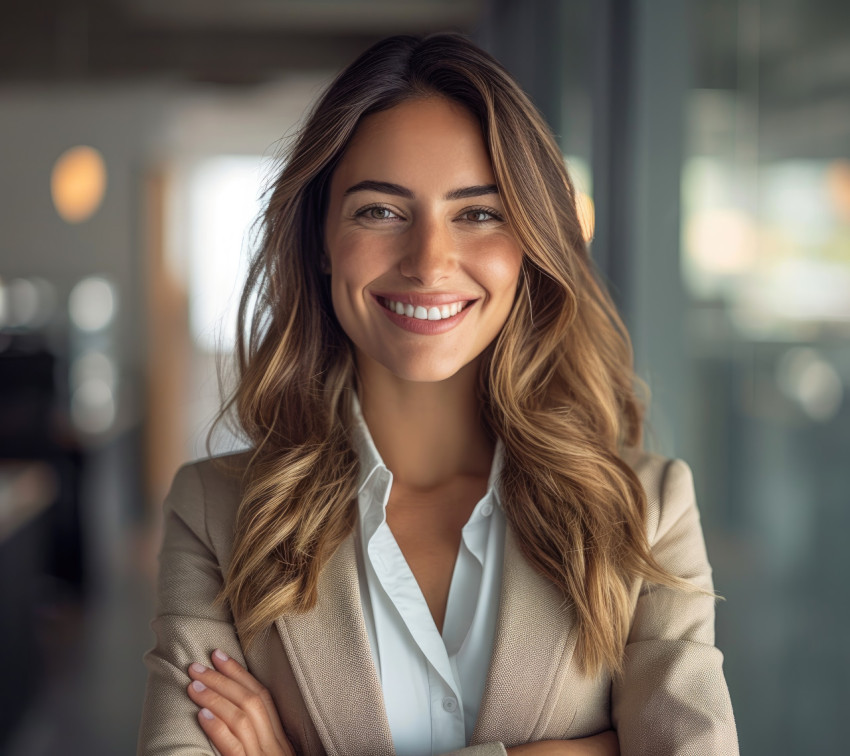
418 312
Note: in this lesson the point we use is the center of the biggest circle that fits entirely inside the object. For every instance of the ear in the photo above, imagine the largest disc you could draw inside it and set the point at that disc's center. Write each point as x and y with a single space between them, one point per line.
325 263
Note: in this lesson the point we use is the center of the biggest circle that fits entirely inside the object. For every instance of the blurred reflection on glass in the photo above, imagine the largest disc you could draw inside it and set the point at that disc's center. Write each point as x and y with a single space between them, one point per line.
766 258
775 264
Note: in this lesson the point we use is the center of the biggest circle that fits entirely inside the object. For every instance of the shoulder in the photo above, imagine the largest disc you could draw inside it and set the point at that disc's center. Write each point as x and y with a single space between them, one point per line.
669 489
205 494
211 478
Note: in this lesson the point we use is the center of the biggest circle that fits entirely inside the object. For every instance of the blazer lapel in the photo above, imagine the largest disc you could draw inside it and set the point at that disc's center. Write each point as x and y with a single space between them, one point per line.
329 651
530 664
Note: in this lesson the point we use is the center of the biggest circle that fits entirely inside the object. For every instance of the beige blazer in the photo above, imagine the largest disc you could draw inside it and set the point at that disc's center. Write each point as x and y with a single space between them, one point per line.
672 699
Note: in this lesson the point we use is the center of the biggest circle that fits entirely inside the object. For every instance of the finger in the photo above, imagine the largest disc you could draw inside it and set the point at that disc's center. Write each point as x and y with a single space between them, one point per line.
219 734
239 724
235 671
246 704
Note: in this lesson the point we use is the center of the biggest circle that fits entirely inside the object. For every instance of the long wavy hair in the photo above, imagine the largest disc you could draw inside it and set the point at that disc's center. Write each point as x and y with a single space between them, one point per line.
557 386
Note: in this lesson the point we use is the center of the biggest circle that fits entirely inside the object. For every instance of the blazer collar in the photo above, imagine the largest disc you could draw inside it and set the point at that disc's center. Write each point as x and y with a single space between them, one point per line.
532 650
328 649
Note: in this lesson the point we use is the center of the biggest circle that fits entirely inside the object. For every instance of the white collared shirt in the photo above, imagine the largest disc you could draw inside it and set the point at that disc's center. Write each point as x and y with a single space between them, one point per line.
432 683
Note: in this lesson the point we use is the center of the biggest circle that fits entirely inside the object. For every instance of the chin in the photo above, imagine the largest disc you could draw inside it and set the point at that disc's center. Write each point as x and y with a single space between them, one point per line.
413 366
423 373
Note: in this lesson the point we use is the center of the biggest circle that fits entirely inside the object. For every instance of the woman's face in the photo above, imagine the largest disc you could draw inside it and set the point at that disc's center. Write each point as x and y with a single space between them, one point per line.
424 267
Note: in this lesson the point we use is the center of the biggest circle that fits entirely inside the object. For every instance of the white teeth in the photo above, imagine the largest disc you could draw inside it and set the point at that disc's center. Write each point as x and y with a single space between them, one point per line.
424 313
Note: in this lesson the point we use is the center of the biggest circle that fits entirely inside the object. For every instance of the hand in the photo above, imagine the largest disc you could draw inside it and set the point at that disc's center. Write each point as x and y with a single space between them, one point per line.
238 714
603 744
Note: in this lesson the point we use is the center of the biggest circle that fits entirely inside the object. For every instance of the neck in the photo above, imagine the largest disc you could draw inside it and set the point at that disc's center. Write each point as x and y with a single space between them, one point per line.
427 433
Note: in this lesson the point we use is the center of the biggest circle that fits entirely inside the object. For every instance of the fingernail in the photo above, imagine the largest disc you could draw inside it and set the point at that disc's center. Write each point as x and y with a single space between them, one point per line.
220 655
199 686
207 714
199 668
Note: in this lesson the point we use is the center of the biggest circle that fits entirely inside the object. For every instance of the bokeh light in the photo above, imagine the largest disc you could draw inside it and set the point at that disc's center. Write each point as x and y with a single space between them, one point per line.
93 365
838 186
93 406
27 303
722 241
92 303
812 382
78 183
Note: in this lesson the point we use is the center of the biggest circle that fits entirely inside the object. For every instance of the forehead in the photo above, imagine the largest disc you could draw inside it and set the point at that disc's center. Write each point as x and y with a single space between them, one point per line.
428 141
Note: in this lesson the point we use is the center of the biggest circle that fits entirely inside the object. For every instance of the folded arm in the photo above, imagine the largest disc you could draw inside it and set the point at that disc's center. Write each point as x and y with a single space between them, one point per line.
603 744
188 626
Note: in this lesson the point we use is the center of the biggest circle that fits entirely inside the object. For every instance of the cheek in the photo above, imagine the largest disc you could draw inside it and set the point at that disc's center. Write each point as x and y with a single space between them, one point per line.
501 269
342 295
353 266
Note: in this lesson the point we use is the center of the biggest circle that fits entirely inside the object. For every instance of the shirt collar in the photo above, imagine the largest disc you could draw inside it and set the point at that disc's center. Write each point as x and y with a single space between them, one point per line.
367 452
371 462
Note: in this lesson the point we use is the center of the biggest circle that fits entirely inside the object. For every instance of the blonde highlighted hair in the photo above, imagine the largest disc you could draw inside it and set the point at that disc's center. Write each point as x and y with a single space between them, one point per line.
557 385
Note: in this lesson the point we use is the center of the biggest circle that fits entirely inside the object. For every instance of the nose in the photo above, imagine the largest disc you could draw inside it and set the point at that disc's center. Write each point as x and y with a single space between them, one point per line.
430 254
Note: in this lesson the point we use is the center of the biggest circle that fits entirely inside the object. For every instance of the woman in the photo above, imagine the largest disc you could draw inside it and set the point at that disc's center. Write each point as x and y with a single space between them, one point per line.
445 532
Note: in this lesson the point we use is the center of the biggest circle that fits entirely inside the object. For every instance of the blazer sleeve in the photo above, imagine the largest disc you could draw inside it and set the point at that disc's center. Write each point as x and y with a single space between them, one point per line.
187 625
672 698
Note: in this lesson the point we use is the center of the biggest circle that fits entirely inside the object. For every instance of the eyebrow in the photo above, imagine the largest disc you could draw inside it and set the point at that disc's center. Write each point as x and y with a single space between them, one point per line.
385 187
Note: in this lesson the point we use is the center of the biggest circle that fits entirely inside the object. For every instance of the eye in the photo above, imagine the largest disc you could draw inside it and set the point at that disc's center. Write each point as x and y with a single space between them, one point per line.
481 215
376 213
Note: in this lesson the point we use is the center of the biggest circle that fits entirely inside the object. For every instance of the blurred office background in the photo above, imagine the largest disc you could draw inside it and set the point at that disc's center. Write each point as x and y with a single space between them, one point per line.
711 142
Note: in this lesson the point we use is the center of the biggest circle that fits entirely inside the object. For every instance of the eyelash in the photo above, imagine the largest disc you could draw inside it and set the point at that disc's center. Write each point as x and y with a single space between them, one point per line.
488 210
494 215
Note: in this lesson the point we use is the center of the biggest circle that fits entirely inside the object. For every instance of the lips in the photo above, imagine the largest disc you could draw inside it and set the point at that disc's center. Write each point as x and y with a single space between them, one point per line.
425 313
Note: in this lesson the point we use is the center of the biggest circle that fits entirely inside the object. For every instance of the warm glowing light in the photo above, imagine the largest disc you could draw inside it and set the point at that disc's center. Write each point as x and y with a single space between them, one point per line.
78 183
586 215
838 185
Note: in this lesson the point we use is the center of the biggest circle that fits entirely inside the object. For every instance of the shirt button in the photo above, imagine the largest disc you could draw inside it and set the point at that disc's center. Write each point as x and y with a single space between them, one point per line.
449 704
487 510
